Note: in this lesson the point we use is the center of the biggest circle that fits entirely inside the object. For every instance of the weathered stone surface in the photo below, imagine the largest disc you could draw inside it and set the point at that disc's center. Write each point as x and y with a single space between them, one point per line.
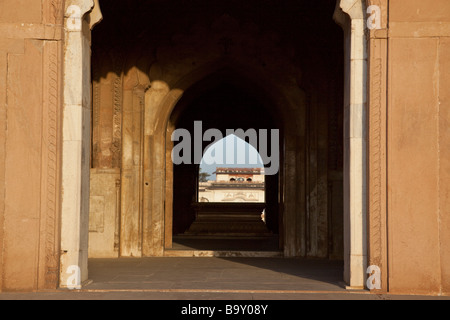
22 198
413 167
444 163
20 11
104 213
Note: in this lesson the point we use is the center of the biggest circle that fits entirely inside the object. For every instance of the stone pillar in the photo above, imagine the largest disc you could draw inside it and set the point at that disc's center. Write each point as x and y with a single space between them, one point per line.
350 15
159 102
132 146
76 139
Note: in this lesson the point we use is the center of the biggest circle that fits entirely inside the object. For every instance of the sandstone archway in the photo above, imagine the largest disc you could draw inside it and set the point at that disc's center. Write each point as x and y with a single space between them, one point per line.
238 104
76 145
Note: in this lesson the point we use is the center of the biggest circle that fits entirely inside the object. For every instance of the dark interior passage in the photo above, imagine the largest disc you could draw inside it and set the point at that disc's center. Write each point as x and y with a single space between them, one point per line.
239 64
219 102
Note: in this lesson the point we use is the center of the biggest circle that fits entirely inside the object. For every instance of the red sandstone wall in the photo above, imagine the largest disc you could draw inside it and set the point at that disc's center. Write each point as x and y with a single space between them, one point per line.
20 11
418 150
30 101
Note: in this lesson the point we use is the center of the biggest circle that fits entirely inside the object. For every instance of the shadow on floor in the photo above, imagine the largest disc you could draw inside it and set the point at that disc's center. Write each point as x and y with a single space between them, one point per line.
215 274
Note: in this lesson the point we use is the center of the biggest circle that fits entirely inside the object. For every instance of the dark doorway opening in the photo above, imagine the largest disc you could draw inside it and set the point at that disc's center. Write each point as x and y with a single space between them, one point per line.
221 102
296 49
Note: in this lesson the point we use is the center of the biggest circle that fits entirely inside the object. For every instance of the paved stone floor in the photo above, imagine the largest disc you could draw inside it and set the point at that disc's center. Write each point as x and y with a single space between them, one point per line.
211 279
215 274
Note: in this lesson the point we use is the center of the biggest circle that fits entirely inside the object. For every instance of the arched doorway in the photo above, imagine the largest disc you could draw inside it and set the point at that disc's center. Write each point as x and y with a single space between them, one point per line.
220 102
169 93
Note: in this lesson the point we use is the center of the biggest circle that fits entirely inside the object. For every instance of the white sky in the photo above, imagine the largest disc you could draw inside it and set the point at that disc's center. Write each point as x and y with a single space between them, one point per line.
221 153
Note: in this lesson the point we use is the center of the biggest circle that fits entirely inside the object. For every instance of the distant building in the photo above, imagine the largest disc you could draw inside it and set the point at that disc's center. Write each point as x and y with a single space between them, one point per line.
234 185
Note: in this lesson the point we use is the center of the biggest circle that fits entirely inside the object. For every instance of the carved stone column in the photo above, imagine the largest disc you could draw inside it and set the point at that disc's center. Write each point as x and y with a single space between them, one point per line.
76 139
350 15
377 114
